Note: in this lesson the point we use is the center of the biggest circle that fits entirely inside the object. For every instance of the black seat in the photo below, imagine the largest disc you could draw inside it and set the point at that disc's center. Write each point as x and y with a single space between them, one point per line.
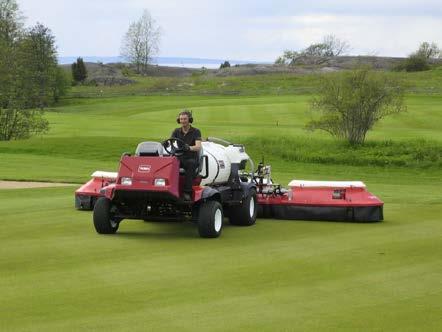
200 165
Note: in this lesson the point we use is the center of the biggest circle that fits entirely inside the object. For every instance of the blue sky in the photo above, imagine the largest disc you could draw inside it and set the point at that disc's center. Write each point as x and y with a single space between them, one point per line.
240 30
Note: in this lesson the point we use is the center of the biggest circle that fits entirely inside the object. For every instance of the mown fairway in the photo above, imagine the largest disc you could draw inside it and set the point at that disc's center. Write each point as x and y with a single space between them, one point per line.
58 274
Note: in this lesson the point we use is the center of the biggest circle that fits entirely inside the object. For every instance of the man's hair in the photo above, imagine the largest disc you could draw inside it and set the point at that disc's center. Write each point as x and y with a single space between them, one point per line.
185 112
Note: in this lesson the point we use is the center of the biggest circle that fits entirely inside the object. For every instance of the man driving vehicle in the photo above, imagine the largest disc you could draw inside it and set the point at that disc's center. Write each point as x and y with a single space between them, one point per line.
189 160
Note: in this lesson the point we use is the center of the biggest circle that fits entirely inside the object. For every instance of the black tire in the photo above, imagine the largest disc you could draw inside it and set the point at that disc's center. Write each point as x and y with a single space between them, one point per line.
245 213
195 214
103 220
210 219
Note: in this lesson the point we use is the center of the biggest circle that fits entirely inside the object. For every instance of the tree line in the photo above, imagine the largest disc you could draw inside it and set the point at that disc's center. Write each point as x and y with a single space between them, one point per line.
30 79
331 46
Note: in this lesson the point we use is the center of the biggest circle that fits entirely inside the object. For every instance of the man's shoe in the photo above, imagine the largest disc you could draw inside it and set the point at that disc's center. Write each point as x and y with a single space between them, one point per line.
187 197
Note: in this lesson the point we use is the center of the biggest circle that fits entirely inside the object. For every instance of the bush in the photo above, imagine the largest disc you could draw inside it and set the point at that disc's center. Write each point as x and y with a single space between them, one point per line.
126 71
226 64
20 124
350 103
419 60
416 62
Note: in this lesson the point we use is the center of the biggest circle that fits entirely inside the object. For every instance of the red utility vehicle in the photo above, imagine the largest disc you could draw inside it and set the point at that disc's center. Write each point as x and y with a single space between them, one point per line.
148 186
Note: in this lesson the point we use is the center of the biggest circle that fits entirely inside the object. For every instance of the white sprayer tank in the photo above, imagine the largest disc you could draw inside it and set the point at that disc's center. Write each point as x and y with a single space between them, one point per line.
222 161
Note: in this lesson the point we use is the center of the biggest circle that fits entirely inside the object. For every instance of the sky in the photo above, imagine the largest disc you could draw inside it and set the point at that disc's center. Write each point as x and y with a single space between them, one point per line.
240 29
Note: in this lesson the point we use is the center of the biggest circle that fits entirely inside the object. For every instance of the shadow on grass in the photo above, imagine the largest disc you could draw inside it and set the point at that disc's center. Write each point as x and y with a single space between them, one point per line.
156 235
165 230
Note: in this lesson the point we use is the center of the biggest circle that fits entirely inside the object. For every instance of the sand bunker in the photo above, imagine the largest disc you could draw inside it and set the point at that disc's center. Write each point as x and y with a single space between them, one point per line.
26 184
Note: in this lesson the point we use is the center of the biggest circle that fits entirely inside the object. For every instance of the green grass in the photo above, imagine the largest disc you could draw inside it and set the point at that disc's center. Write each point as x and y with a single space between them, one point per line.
428 82
204 85
58 274
94 132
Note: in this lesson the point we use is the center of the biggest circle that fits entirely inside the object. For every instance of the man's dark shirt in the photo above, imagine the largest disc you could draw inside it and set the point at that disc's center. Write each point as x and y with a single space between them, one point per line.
192 135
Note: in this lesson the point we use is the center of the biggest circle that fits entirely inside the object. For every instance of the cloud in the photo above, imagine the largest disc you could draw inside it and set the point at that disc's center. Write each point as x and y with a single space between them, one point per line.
379 35
250 30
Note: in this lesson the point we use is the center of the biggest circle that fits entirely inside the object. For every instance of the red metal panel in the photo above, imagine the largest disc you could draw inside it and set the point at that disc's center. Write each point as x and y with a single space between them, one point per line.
92 187
144 170
322 196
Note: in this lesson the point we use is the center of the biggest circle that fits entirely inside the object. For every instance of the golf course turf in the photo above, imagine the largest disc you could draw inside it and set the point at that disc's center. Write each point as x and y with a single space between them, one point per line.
57 273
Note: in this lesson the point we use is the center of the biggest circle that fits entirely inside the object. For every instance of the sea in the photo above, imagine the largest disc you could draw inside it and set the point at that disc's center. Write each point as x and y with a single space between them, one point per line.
160 61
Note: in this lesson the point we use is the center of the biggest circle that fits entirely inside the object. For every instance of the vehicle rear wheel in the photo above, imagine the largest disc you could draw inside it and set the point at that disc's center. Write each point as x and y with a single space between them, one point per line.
210 219
245 213
104 221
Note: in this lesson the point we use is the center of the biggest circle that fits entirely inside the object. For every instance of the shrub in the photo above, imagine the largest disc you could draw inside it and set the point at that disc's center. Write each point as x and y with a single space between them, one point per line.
351 103
226 64
416 62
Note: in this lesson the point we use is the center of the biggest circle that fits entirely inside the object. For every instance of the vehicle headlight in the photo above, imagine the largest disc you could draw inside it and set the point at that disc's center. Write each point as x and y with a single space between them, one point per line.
160 182
126 181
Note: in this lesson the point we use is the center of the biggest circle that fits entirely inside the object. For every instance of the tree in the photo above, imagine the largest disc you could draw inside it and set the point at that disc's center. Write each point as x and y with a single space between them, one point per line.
351 103
11 21
329 47
420 59
61 84
280 60
141 42
37 66
316 53
79 72
226 64
29 75
428 51
288 58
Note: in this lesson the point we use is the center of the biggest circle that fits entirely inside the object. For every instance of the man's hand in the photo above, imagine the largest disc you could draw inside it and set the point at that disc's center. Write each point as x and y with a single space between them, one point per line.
186 147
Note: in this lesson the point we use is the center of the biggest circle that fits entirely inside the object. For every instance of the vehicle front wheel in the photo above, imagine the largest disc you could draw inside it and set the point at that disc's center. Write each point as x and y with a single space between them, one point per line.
210 219
104 220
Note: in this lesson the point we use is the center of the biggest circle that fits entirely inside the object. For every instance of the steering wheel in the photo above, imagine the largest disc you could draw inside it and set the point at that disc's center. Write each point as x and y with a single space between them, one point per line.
174 146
